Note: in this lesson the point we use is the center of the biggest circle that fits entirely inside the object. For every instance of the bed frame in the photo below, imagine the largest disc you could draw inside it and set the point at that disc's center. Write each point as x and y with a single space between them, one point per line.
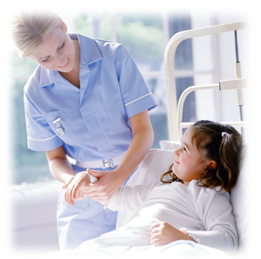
175 111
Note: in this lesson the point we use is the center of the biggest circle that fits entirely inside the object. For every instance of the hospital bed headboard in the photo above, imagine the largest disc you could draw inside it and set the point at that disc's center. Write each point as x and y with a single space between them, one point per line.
175 110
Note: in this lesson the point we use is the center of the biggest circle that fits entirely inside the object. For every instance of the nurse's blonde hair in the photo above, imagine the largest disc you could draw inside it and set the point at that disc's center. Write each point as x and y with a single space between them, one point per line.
30 28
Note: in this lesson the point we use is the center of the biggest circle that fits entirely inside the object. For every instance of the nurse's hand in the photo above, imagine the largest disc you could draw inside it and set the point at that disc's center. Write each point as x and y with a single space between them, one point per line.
107 185
74 187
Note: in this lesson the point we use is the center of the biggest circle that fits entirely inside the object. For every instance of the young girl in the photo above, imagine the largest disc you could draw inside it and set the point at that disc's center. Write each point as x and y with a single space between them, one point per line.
192 201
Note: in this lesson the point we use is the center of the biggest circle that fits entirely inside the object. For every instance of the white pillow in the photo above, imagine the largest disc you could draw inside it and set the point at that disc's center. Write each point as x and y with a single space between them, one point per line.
155 164
167 144
150 170
239 202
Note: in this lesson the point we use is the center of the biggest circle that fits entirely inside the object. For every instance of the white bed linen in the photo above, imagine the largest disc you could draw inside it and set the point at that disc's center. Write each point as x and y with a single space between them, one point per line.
178 249
133 239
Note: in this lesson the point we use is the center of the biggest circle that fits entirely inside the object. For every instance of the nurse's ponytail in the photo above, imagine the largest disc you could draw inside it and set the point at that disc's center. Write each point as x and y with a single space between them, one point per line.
30 28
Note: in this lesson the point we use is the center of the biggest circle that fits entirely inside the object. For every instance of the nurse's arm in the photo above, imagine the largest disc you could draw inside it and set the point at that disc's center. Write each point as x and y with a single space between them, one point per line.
59 166
109 182
143 136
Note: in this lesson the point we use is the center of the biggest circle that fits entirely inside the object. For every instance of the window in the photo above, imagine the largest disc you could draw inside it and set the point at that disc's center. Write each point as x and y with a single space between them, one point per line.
27 165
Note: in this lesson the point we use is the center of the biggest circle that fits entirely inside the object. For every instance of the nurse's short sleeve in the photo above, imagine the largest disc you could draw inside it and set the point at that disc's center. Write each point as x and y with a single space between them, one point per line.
135 94
40 136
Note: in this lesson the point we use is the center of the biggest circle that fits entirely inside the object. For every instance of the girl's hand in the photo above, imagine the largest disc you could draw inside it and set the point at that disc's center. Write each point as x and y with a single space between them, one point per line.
163 233
74 188
107 185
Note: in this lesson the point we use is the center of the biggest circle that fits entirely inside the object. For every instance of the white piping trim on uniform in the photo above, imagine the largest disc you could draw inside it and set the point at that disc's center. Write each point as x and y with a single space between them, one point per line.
138 99
42 139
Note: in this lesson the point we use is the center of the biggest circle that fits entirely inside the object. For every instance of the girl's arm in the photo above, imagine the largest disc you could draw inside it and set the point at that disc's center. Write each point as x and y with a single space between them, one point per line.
219 222
215 211
129 198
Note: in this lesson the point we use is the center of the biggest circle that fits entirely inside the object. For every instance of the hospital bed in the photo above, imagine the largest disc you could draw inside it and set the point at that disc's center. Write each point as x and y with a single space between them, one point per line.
157 161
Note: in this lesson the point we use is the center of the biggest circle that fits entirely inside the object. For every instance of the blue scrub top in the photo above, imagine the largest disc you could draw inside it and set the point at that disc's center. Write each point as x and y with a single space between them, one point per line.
95 118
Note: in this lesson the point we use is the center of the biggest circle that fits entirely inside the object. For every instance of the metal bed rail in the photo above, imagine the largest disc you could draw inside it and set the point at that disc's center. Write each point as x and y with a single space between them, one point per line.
175 124
223 85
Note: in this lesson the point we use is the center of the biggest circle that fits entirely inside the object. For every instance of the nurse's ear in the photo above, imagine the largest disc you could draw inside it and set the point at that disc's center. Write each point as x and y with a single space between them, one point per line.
64 26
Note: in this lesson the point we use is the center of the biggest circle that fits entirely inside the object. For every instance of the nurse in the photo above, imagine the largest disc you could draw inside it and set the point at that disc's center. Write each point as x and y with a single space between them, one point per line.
86 101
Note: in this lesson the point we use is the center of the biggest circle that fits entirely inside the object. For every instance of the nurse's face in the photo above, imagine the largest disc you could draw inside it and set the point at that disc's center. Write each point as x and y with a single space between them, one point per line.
56 52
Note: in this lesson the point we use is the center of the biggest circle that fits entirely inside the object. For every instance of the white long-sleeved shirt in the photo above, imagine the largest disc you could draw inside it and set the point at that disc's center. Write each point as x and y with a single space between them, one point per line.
205 213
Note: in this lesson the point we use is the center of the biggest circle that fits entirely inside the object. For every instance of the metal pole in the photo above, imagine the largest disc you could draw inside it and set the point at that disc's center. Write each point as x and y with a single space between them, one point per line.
236 46
238 75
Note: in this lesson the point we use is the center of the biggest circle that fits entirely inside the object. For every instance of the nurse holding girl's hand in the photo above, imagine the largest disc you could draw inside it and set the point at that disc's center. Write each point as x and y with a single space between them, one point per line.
109 182
87 101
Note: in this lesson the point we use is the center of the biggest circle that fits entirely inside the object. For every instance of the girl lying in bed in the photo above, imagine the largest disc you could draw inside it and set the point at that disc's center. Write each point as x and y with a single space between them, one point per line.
190 203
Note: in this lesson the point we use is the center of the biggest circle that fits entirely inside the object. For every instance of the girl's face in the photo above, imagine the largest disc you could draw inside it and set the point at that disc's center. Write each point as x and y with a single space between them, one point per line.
189 162
56 52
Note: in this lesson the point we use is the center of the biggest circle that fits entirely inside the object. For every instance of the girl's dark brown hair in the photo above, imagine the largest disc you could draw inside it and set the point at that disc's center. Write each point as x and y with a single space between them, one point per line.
221 143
